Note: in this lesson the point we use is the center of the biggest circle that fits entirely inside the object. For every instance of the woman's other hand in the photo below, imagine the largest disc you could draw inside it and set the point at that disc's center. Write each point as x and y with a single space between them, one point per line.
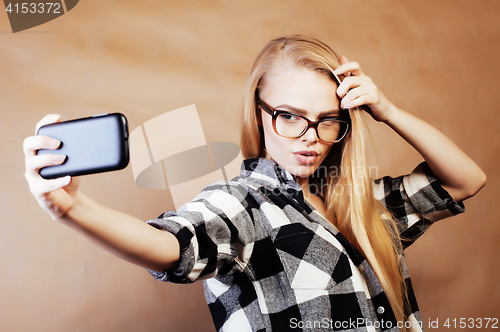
458 173
357 90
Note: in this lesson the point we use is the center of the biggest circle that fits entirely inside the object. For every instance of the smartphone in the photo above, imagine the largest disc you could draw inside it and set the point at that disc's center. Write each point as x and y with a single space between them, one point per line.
365 108
92 145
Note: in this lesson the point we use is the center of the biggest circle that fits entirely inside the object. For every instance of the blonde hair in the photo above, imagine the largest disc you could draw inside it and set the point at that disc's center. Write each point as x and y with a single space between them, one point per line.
357 215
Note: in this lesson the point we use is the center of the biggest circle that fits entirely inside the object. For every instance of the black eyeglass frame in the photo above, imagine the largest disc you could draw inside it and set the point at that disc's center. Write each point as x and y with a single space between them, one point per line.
275 113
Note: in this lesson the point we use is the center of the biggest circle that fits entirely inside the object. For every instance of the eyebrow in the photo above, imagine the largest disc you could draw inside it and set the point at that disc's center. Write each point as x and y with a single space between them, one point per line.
302 112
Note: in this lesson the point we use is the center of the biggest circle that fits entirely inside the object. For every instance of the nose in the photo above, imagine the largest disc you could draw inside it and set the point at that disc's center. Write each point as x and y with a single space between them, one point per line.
310 136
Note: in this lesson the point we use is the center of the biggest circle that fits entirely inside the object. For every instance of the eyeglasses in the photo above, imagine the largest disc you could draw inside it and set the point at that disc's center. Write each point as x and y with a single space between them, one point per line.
291 125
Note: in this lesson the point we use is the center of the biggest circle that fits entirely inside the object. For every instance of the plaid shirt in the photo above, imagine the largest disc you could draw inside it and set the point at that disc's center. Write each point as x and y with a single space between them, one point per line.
271 262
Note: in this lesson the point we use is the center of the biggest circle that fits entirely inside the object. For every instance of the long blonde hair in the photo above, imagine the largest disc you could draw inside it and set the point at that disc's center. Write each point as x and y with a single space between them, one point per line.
354 210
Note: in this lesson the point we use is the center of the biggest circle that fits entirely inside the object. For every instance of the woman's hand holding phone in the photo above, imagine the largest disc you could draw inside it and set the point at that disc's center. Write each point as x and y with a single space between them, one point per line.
121 234
55 196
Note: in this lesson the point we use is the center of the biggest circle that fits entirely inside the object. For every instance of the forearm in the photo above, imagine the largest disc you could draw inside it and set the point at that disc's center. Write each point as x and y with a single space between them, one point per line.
458 173
123 235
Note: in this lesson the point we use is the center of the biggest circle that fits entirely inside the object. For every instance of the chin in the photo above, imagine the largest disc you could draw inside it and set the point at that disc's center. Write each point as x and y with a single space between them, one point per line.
302 171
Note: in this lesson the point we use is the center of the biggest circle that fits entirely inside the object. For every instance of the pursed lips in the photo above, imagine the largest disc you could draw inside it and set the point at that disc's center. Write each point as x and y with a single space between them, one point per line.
306 157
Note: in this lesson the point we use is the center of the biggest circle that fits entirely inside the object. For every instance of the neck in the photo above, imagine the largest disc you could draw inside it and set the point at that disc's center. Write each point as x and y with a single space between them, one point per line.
303 182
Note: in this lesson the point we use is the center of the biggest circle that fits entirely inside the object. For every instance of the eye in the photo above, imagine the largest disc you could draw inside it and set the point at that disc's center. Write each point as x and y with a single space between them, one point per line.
329 122
288 117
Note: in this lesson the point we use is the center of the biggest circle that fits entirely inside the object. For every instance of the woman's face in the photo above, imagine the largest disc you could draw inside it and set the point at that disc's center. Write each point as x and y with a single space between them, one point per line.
305 92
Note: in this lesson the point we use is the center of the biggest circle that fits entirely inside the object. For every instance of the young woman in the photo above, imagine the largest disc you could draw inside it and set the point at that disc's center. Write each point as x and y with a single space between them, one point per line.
303 239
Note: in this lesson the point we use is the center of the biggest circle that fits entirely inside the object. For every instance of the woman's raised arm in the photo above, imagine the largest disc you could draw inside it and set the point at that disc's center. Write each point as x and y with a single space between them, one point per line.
458 173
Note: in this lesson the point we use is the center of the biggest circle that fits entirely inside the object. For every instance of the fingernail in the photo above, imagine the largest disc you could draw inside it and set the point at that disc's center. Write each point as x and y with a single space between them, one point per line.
348 104
58 157
54 143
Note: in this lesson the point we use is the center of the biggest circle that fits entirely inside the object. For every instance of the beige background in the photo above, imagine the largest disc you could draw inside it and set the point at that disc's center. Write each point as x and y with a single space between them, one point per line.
436 59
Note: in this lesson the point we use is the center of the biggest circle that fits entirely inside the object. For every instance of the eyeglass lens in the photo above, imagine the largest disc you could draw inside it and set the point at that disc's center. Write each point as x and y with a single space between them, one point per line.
290 125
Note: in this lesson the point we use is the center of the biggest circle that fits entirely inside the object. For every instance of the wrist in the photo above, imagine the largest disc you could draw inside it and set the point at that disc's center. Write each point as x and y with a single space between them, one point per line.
79 209
391 115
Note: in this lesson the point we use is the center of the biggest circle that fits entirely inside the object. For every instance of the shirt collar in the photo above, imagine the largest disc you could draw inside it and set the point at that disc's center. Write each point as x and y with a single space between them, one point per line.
267 170
267 173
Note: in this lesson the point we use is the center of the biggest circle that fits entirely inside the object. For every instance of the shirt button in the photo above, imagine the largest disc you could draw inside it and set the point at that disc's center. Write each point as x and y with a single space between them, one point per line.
380 310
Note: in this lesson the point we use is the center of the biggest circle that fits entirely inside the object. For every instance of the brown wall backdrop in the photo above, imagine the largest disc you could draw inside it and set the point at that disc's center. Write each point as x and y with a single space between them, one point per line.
436 59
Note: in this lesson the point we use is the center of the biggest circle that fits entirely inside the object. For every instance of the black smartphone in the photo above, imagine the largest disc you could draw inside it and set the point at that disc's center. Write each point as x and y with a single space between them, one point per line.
92 145
365 108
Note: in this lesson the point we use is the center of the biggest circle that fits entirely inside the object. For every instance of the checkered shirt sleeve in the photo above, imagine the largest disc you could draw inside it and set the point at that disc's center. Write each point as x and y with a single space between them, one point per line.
416 201
215 233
